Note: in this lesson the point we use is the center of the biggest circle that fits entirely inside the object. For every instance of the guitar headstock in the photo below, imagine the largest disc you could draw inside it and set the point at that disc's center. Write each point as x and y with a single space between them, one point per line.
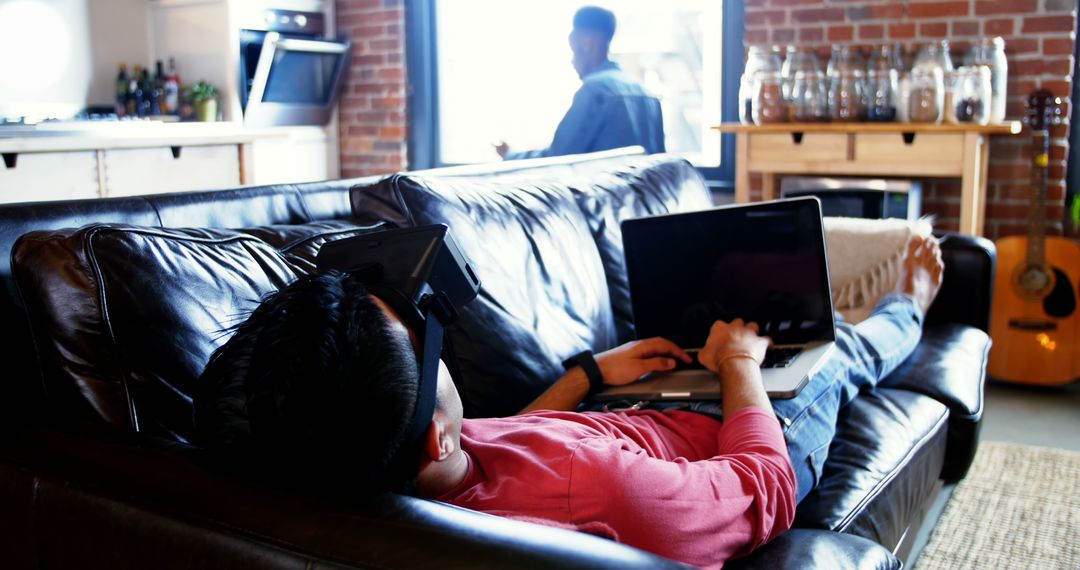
1044 109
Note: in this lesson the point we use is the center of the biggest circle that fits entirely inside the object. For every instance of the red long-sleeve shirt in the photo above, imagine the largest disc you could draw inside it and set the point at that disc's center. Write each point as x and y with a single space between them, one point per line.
678 484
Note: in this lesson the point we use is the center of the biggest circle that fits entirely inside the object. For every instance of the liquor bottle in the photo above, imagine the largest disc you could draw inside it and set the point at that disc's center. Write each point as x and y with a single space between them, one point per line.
159 89
172 90
147 89
135 96
122 82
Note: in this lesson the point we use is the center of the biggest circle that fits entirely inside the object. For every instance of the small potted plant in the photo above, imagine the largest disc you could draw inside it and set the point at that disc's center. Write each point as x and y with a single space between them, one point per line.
204 98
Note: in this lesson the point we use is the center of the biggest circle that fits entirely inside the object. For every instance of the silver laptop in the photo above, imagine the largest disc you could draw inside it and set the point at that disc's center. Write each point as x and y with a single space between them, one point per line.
762 262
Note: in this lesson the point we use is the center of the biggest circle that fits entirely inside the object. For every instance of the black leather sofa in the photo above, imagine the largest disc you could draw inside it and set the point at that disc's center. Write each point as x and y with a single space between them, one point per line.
111 324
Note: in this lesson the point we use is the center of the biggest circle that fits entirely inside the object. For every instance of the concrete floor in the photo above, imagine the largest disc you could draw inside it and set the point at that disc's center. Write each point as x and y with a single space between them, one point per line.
1028 415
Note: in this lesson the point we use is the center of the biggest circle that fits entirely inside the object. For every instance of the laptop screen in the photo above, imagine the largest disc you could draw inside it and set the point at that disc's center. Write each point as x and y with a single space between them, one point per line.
760 262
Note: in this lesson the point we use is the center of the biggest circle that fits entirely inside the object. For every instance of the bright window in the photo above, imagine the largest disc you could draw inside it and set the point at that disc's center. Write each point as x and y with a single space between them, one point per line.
504 71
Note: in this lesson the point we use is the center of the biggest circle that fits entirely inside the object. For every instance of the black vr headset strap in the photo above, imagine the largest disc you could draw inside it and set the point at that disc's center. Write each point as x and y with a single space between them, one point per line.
429 380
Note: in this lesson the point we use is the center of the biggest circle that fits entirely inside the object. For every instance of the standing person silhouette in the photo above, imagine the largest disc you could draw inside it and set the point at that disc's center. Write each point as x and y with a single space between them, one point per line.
611 109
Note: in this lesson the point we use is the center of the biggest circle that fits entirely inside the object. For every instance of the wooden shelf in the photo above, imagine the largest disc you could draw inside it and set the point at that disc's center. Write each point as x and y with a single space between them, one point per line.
1007 128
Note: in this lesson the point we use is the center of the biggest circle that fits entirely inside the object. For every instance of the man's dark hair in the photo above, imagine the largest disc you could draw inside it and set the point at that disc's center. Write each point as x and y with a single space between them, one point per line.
595 19
315 386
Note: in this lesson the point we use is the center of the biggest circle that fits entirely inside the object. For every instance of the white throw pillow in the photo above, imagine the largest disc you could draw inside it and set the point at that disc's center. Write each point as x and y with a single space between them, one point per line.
865 260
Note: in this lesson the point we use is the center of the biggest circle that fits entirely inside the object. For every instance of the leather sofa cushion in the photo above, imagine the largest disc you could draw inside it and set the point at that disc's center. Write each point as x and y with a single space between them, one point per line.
543 293
884 462
125 317
949 365
642 186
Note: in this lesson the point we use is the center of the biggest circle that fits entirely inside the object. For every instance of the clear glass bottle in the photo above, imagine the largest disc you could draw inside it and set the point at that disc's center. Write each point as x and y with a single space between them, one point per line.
972 95
991 53
881 90
770 105
798 59
934 54
926 95
885 57
809 97
758 58
846 96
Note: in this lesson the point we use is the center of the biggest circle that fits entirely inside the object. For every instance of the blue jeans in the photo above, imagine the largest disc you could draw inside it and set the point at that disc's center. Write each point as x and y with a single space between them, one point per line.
865 354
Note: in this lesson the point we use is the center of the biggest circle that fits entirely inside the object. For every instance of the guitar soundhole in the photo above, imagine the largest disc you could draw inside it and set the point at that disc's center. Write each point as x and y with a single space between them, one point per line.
1061 302
1034 280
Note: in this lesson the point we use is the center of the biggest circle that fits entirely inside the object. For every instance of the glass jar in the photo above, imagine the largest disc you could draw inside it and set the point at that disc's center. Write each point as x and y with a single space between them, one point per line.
972 95
934 54
903 92
809 97
769 105
844 58
846 96
881 88
991 53
885 57
758 58
926 95
798 59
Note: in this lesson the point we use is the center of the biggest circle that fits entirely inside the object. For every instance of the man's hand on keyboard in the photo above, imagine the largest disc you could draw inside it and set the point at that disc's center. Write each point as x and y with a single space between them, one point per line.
734 340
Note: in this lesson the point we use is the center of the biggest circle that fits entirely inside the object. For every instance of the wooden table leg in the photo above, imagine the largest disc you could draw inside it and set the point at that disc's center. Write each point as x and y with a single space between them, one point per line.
768 186
973 184
742 174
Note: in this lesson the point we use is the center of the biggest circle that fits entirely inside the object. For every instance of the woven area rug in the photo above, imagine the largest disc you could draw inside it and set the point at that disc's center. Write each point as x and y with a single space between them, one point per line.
1019 507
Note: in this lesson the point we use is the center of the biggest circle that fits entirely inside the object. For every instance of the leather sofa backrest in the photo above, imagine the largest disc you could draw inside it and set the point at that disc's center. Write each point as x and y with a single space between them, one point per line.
284 204
125 318
537 260
543 293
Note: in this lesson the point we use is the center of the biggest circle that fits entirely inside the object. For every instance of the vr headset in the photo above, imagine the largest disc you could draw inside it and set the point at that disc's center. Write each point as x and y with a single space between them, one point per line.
425 278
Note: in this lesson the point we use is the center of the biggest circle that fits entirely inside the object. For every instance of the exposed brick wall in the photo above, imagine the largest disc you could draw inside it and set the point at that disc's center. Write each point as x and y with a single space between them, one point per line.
372 118
1039 45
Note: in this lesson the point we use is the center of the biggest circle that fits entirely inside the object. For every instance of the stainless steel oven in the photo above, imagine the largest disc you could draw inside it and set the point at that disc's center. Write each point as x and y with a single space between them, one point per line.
290 74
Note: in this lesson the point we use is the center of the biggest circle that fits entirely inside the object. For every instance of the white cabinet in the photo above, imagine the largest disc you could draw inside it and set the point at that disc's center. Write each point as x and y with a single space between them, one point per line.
304 154
131 172
50 176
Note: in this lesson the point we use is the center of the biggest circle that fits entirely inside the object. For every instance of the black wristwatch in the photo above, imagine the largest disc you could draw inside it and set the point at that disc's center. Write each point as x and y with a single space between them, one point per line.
588 365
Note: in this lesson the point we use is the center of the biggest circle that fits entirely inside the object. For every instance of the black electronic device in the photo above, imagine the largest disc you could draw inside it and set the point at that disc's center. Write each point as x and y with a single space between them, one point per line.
424 277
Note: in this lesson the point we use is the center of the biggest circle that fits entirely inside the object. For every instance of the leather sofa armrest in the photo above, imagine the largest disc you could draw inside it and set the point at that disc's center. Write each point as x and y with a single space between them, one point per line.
811 548
968 287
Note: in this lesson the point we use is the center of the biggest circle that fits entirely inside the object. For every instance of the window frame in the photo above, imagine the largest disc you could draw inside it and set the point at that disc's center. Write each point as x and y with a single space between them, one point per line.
422 76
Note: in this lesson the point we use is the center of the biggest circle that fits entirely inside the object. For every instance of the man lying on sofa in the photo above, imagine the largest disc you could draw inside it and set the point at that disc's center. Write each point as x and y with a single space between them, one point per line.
320 382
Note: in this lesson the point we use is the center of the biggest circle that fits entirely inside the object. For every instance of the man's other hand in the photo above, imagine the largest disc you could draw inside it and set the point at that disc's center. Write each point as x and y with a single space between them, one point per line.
631 361
502 148
732 340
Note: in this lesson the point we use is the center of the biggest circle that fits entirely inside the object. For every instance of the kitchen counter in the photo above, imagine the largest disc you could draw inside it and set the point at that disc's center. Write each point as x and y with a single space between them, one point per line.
105 135
66 160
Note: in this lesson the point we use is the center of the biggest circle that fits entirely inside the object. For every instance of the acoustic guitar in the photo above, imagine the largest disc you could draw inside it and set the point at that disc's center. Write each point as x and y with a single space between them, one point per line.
1035 323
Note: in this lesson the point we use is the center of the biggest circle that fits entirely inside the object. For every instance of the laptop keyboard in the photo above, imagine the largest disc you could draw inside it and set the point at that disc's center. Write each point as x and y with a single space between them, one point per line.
774 358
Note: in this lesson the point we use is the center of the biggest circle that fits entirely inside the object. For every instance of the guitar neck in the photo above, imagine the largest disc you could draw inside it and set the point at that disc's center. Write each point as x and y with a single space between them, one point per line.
1036 254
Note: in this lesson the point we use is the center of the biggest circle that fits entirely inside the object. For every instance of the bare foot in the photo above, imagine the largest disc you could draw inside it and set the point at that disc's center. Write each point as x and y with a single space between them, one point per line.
923 271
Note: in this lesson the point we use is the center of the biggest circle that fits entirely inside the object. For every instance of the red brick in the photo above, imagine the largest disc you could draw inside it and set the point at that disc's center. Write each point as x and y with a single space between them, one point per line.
999 27
934 29
841 33
759 18
891 11
937 9
817 15
385 45
795 2
871 31
756 36
903 31
783 35
811 35
990 7
394 132
965 28
1015 46
1058 46
1035 24
395 73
